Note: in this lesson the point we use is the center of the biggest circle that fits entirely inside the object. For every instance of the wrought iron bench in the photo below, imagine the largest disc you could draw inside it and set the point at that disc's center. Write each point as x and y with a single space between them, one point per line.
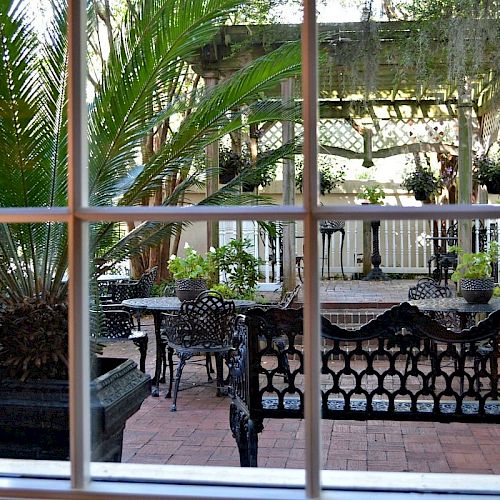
376 372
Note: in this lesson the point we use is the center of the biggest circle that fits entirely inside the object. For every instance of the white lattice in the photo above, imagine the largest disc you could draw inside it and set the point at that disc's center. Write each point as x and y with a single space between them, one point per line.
402 132
489 129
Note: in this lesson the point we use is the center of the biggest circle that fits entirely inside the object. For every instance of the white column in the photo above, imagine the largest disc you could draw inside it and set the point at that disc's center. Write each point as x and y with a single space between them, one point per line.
288 134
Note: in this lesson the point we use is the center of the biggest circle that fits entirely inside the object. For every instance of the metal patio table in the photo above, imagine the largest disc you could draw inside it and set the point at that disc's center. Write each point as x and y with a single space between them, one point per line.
457 305
157 305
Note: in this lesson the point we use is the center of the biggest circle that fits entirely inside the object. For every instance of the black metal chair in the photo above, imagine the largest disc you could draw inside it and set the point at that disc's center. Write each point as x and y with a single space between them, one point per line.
203 326
117 324
134 289
428 288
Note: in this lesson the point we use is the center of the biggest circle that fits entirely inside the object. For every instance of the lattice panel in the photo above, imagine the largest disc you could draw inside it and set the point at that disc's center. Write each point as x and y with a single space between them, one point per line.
489 129
401 132
339 133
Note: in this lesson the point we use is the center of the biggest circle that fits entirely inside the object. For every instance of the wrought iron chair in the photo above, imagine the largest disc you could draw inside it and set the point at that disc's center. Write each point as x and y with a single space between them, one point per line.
203 326
134 289
117 324
428 288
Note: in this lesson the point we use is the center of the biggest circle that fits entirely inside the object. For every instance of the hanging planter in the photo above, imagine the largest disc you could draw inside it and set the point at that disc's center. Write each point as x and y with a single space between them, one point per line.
487 172
421 195
422 183
231 164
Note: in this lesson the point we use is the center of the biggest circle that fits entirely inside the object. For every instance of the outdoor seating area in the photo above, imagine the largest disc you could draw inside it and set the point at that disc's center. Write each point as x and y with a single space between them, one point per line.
199 432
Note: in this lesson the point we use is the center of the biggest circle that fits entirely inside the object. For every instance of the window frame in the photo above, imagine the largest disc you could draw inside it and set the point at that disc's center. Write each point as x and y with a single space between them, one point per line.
81 479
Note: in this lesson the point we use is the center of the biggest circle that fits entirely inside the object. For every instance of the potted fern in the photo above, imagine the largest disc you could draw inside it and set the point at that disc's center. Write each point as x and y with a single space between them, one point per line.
474 273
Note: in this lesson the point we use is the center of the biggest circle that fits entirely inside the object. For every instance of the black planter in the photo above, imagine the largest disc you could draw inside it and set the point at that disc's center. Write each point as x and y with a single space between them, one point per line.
493 186
420 195
189 288
227 174
477 290
34 421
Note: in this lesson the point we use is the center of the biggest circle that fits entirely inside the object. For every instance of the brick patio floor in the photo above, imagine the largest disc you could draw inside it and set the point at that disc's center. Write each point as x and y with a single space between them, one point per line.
198 433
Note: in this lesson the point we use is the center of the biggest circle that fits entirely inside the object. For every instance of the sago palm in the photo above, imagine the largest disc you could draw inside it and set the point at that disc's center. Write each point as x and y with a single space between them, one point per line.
156 39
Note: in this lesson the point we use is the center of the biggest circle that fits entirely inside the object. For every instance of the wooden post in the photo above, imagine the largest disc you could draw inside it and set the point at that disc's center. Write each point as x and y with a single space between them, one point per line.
288 134
464 164
212 152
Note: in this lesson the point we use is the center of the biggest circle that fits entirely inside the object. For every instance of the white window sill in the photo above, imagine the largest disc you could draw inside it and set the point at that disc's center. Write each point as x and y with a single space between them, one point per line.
44 479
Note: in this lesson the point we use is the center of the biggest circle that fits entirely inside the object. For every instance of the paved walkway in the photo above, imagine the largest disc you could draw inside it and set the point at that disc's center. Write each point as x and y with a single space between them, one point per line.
198 433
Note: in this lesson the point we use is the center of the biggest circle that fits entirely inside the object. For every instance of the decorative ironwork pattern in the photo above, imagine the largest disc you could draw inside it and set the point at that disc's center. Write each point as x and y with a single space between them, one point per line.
203 325
402 365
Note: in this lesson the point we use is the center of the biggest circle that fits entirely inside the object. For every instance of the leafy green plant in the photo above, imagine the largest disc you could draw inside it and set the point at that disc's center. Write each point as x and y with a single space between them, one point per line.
240 267
475 265
225 290
487 172
329 178
192 265
422 182
374 194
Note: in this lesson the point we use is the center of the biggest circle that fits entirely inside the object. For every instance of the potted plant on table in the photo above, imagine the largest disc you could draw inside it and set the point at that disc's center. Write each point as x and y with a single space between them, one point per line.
422 182
474 273
190 272
373 194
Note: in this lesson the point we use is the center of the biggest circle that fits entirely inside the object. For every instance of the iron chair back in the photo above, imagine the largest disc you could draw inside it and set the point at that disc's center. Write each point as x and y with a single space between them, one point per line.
114 324
203 325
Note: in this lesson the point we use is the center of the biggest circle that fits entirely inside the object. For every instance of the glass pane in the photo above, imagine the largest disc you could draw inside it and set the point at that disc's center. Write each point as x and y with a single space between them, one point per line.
395 107
146 275
200 120
34 342
33 75
387 354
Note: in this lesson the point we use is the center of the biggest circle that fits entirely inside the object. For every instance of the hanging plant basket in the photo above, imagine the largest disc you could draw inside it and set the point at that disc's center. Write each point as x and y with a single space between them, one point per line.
493 186
421 195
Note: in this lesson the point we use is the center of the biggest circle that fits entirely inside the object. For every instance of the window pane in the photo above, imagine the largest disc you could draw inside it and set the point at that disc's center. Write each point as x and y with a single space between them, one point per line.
33 76
381 356
200 119
141 273
34 341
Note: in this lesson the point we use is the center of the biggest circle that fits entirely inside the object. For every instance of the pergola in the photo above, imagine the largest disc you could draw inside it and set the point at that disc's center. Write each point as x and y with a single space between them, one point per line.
368 79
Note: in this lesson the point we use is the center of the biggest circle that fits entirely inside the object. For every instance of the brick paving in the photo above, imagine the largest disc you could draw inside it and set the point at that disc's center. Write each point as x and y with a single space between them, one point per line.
198 433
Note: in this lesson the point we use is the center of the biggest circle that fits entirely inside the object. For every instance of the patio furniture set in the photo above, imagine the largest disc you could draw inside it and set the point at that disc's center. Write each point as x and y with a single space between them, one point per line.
422 360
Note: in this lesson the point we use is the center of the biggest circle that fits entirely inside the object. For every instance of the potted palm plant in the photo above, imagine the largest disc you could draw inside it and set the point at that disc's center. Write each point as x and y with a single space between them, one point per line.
474 273
422 182
33 173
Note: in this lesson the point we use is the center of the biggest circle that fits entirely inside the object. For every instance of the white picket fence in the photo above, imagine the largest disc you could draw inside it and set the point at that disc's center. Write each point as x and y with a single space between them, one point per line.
404 246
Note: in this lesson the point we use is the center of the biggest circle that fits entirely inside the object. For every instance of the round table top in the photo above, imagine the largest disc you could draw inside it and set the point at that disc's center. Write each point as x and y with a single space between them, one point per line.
172 303
457 304
113 277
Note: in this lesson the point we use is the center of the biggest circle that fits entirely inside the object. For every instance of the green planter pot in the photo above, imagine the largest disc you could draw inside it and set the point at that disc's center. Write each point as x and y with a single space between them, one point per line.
34 421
